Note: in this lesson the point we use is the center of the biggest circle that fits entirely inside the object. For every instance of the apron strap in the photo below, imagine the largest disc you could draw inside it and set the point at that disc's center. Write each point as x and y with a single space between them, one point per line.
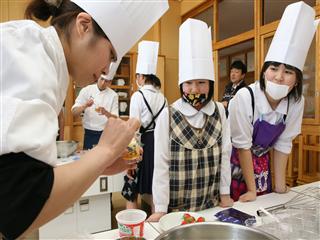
285 116
252 102
154 117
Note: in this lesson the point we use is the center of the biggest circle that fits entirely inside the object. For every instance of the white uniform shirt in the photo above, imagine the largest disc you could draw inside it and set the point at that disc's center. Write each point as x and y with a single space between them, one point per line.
107 98
138 108
34 81
240 114
160 185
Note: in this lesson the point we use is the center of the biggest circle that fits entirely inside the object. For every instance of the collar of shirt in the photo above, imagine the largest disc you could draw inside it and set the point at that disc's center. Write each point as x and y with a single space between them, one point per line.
234 86
263 104
99 91
189 111
149 87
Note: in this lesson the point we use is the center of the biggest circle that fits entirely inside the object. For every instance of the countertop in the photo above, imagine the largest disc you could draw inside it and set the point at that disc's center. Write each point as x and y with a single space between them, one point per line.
152 230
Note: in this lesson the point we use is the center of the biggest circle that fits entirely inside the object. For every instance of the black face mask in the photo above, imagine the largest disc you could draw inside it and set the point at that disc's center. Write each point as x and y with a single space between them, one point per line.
195 100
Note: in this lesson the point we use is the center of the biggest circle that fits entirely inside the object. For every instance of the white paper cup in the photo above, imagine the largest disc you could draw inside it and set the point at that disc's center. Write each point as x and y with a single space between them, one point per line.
131 222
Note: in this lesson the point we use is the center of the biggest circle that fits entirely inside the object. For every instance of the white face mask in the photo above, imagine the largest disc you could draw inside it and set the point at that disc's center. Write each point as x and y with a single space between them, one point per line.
276 91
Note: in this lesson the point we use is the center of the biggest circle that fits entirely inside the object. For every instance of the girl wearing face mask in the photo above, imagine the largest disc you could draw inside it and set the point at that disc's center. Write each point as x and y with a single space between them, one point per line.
267 115
277 102
192 138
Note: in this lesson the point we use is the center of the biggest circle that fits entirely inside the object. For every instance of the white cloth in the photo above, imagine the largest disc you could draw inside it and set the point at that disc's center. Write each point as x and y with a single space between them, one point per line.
240 115
147 57
160 185
195 51
124 21
107 98
138 108
34 83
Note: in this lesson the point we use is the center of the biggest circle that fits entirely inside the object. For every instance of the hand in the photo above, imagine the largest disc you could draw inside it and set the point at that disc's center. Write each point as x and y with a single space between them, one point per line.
89 103
248 196
225 104
155 217
225 201
284 189
116 136
130 173
118 166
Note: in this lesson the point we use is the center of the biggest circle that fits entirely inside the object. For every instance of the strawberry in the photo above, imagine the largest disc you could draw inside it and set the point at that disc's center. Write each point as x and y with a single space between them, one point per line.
200 219
183 222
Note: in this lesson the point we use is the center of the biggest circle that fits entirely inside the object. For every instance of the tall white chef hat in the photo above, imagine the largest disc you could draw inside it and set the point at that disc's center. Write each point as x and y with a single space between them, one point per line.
147 57
124 21
294 35
112 69
195 51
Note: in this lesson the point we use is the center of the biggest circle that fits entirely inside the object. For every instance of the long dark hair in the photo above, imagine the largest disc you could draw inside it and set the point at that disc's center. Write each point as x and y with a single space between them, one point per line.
210 94
62 16
296 92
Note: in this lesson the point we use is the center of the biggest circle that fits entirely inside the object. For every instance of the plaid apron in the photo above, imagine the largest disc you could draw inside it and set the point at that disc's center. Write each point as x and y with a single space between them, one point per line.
194 168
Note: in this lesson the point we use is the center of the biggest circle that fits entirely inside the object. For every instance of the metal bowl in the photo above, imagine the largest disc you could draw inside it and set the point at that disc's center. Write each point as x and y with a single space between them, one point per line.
66 148
214 230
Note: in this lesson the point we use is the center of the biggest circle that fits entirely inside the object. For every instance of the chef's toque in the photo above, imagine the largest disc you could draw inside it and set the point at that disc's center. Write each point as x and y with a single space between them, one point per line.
113 69
147 57
294 35
124 21
195 51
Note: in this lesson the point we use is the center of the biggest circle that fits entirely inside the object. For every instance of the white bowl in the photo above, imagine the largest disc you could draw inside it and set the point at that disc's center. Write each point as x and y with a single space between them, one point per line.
66 148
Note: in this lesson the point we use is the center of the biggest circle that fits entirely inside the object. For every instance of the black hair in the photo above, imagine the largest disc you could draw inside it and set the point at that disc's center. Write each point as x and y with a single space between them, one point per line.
62 16
152 80
210 94
239 65
296 92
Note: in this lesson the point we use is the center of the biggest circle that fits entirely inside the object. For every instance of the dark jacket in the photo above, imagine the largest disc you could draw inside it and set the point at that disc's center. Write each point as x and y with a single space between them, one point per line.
229 92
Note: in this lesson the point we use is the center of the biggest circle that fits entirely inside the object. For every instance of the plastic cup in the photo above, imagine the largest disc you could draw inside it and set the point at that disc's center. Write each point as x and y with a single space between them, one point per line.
131 222
133 148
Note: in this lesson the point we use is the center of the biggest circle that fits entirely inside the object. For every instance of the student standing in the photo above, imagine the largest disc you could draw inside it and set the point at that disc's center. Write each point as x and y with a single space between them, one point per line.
192 139
146 105
238 72
274 117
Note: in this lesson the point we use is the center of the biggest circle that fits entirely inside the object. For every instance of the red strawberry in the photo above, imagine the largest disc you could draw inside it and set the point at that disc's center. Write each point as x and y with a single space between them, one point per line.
200 219
183 222
186 215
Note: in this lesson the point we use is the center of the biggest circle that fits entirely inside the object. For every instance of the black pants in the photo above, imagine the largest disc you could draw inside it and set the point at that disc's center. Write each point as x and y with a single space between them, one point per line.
91 138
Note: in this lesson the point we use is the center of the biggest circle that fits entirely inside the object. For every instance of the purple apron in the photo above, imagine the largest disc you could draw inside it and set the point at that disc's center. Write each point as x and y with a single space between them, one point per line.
264 137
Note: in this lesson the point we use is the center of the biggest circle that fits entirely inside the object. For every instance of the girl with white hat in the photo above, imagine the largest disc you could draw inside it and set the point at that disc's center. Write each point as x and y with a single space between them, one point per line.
36 62
274 117
146 105
192 136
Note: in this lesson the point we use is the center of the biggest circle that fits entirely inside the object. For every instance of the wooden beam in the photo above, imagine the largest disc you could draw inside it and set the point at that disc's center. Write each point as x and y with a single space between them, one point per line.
234 40
197 10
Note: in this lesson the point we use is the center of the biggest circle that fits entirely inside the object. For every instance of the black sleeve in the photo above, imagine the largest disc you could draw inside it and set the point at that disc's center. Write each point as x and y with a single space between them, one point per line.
25 185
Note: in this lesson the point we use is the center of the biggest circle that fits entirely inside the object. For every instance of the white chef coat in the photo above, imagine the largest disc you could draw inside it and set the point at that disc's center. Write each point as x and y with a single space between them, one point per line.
107 98
138 108
34 82
160 185
240 115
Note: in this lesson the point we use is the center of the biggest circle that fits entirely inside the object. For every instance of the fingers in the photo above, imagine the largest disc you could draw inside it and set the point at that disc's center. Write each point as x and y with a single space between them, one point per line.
134 123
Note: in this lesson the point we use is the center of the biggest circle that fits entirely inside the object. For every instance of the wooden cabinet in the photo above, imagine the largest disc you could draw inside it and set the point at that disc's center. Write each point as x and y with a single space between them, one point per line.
123 83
